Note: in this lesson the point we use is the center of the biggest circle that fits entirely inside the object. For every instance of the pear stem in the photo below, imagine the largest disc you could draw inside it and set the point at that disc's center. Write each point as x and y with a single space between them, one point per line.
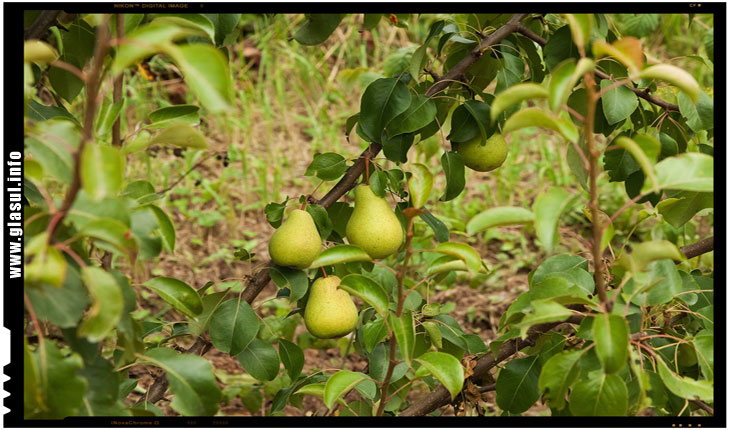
324 273
384 398
304 204
367 169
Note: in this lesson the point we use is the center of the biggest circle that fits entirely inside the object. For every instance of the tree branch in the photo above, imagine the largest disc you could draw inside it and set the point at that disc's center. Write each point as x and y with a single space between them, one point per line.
440 396
698 248
522 29
41 24
118 84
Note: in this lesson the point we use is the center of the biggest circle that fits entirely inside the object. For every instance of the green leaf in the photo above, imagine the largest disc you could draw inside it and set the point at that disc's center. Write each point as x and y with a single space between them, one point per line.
224 24
48 265
102 396
558 374
641 157
405 333
170 115
534 117
382 101
62 306
396 148
205 71
339 254
107 115
462 251
56 389
704 344
559 47
317 28
374 332
627 50
446 263
599 395
446 368
684 386
439 228
260 360
340 384
371 20
41 112
611 335
196 21
38 51
106 309
470 120
543 311
420 184
167 231
111 231
368 290
329 166
453 165
378 183
233 326
675 76
420 113
210 304
618 103
183 135
497 217
147 40
661 280
102 170
292 357
321 219
699 116
418 60
515 95
295 280
580 27
548 208
191 380
641 24
681 207
564 78
517 385
177 293
646 252
690 171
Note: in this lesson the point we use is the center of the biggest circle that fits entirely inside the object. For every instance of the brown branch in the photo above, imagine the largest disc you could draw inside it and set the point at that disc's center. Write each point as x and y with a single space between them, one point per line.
453 74
703 406
118 84
698 248
41 24
440 396
522 29
93 82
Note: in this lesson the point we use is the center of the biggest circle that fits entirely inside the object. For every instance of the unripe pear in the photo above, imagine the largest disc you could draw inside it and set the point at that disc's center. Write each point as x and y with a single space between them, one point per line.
330 311
483 158
373 225
296 243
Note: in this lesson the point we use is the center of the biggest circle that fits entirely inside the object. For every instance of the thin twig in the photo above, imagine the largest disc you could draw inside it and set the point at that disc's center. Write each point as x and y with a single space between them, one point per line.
118 87
87 134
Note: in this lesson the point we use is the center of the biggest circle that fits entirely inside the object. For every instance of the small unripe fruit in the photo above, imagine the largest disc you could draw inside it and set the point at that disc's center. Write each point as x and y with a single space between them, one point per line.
483 158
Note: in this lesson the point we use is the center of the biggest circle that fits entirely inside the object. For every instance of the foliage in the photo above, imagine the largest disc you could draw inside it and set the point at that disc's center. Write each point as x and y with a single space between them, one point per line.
597 339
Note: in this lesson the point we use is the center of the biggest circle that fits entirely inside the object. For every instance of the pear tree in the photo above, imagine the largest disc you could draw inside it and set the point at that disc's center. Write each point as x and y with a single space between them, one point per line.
626 328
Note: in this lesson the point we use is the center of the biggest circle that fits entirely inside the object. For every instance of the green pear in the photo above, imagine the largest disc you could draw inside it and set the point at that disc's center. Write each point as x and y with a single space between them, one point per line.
330 311
483 158
296 243
373 226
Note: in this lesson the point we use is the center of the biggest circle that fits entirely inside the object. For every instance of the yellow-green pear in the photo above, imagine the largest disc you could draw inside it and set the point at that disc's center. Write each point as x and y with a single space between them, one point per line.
373 226
330 311
296 243
483 158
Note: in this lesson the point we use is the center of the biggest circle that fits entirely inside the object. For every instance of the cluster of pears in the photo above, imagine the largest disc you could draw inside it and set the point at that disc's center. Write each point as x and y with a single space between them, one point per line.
483 158
373 226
